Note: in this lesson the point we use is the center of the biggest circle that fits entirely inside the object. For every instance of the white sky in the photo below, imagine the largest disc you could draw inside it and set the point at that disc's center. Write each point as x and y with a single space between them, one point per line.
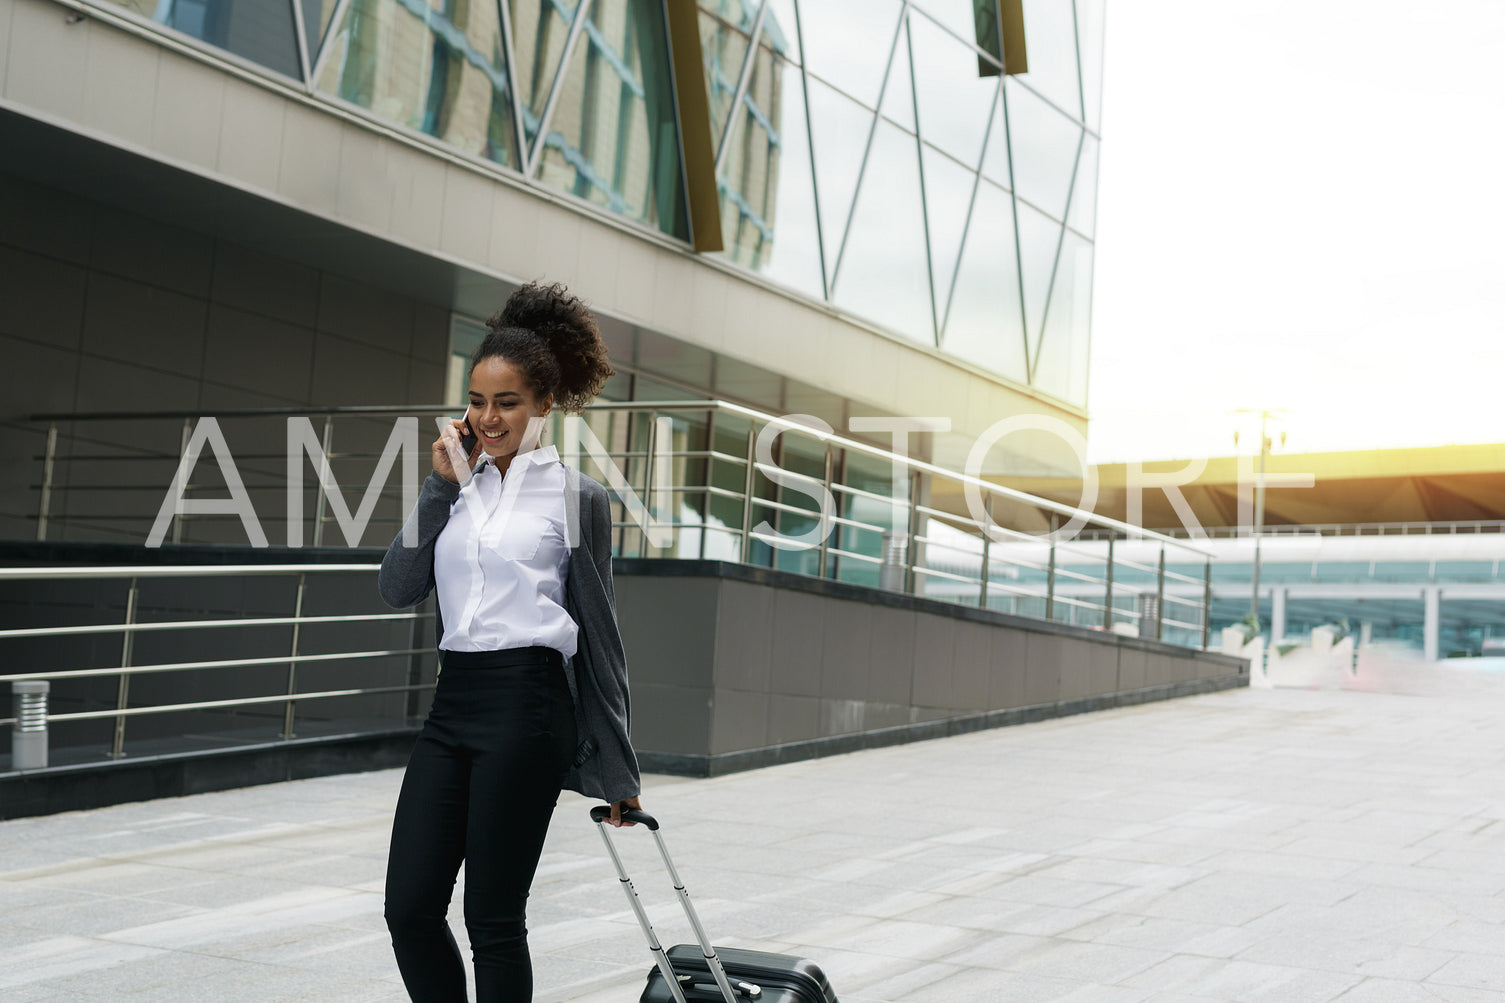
1300 206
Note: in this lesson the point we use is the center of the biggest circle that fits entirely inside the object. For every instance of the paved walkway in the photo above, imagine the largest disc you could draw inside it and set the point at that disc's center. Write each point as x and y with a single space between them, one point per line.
1281 845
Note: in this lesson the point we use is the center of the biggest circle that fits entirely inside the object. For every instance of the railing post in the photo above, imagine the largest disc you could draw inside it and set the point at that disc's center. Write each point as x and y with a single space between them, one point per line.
982 598
1207 605
122 695
1108 590
183 437
28 740
1160 594
747 495
710 459
1050 583
292 667
825 541
319 505
912 537
49 456
648 482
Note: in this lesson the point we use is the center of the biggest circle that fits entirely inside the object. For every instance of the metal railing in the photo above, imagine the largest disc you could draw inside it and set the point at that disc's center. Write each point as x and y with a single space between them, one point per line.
1455 528
705 493
946 551
129 628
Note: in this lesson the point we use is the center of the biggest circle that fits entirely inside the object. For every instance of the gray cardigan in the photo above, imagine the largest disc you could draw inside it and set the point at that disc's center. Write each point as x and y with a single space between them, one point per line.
605 766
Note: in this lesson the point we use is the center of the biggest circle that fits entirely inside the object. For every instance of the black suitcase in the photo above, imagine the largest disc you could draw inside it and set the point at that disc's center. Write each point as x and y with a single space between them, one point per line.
691 973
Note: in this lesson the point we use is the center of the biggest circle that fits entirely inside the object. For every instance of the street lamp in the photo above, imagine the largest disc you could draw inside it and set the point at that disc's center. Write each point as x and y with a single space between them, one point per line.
1259 492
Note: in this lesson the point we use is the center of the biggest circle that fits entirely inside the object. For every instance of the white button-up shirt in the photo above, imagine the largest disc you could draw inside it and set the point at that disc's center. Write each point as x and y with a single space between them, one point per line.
501 560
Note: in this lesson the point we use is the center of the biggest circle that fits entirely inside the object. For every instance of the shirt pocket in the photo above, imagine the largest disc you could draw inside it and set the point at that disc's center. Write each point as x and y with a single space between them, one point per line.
521 536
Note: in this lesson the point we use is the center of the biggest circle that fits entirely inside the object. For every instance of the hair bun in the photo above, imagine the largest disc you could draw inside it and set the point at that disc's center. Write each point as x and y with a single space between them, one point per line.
566 326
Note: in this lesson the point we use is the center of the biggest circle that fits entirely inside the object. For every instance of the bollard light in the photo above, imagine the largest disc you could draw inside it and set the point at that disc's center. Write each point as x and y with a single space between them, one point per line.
28 742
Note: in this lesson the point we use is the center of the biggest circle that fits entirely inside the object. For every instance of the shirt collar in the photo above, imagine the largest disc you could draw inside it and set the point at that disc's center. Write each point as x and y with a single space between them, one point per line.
537 456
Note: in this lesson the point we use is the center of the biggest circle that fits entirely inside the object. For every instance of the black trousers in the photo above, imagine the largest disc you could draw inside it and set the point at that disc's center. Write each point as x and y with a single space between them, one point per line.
481 786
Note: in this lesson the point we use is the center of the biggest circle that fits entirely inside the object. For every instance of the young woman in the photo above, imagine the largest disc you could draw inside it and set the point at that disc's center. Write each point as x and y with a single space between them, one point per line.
532 690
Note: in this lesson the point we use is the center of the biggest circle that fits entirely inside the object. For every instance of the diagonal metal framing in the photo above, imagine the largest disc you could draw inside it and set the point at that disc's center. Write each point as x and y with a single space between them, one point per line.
1055 266
1008 146
846 230
326 44
300 32
820 244
742 81
314 55
577 25
919 150
961 248
504 13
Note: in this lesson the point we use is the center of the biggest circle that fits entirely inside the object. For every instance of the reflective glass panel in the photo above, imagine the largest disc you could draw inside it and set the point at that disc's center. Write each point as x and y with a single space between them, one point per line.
260 30
954 101
1050 34
995 159
1061 368
1043 144
781 29
723 50
1039 240
1089 22
737 13
539 28
848 44
613 138
1082 216
898 93
767 195
948 194
883 274
966 18
316 15
984 324
839 130
439 71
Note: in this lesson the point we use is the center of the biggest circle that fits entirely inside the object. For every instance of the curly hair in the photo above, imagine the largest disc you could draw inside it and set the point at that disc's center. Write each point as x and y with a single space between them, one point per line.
553 340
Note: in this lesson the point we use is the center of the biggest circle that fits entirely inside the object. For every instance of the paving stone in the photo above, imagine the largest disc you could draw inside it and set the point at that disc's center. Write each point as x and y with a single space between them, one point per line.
1279 846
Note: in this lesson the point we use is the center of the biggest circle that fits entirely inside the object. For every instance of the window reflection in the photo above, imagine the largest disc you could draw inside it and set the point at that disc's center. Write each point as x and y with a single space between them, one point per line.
1062 365
984 324
948 196
848 46
1083 213
839 129
539 28
767 195
723 50
613 138
436 69
259 30
1050 32
954 101
1039 240
1089 20
1044 149
884 271
316 15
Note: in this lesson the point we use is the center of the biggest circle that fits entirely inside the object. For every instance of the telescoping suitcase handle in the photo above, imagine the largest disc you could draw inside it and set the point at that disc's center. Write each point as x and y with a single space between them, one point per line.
745 990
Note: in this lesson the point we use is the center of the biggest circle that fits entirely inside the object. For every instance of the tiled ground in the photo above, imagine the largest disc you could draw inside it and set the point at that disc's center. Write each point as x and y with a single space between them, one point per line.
1282 846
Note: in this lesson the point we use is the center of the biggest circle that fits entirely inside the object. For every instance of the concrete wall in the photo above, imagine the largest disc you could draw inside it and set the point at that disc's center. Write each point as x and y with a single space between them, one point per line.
731 667
734 667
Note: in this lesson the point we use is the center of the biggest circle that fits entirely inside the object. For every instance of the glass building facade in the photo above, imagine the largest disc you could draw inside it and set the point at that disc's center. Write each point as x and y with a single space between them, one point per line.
872 154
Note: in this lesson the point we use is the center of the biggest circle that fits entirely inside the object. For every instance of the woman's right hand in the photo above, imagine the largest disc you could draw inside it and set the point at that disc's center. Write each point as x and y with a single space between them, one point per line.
447 446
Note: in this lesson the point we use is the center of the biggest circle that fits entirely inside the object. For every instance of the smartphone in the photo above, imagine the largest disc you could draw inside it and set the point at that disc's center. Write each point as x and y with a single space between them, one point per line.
469 438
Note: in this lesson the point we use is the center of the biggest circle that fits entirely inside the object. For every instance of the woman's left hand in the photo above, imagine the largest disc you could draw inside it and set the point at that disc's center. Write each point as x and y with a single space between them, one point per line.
619 806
